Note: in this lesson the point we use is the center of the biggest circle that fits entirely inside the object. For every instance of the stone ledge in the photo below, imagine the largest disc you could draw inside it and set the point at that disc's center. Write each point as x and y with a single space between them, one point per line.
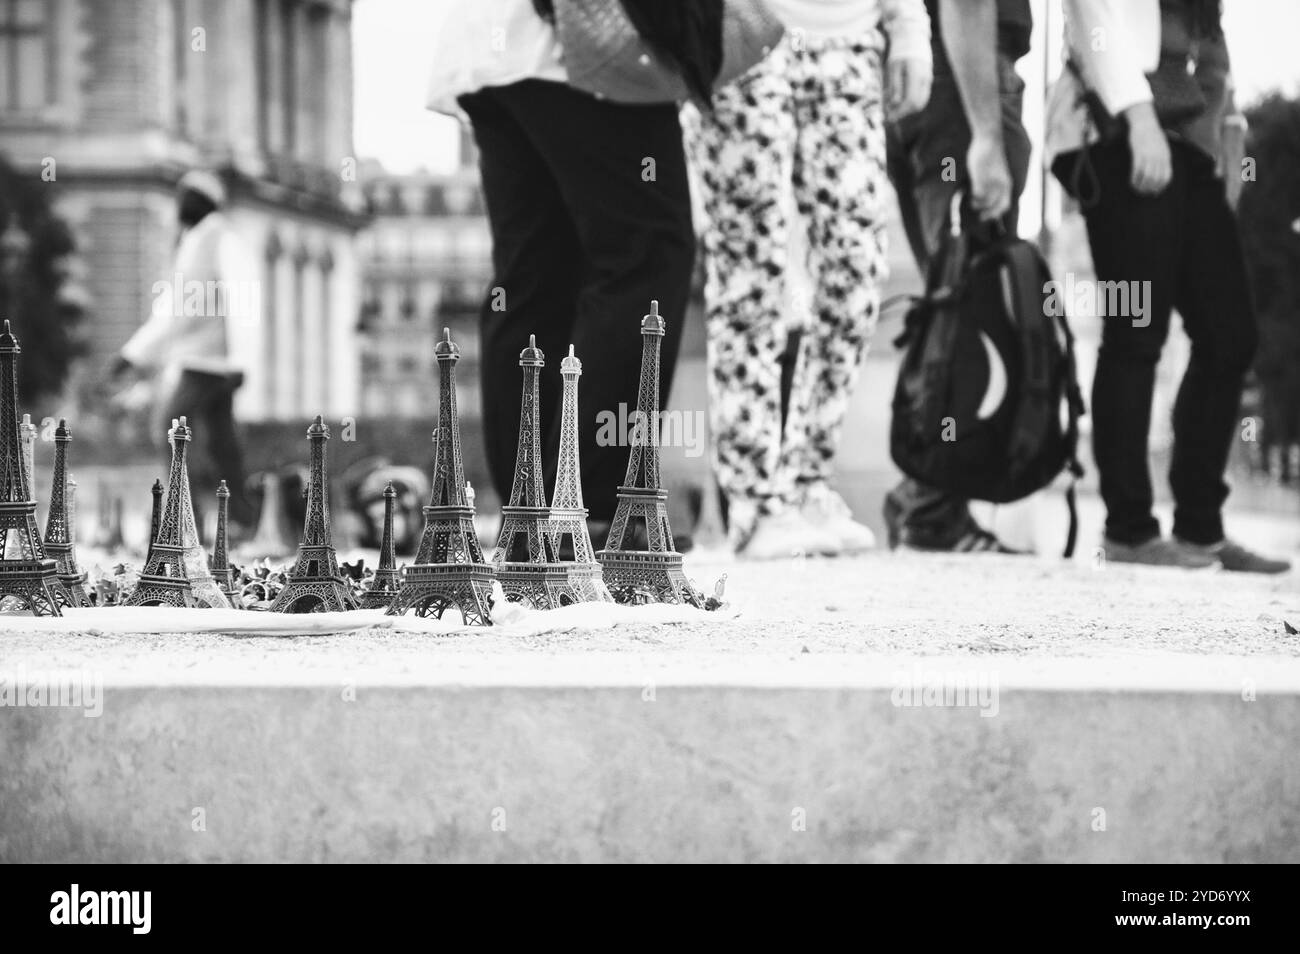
571 754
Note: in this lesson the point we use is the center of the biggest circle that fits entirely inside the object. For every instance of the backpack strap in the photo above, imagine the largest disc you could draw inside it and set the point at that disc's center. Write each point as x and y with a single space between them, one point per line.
1023 276
945 285
1024 265
1075 410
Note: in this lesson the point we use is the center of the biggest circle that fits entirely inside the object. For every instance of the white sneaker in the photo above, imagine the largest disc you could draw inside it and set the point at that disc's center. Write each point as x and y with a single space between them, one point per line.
827 511
785 535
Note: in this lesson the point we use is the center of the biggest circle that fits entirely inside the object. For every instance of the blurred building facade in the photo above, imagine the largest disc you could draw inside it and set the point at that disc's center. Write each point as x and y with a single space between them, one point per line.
426 262
113 102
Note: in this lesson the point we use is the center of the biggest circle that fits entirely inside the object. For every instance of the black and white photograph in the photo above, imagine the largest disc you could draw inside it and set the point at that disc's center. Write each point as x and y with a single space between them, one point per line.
651 432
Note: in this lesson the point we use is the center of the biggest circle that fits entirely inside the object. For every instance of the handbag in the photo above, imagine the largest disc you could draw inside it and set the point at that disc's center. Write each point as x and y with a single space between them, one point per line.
1175 94
604 55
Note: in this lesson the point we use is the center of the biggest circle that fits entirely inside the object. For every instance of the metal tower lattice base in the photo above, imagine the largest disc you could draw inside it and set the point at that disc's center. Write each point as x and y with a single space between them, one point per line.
32 583
171 591
431 589
383 589
314 595
644 575
452 574
70 588
585 580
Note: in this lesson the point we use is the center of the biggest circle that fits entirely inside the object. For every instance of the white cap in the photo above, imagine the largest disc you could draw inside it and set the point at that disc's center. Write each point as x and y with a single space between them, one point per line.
205 184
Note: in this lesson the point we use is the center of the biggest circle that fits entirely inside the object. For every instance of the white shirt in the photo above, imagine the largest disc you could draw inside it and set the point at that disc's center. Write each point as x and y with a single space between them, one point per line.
904 22
489 43
1115 43
204 310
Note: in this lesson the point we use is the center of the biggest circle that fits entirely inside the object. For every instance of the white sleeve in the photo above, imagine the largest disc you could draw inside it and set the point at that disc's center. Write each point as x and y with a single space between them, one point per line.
1111 41
148 347
907 26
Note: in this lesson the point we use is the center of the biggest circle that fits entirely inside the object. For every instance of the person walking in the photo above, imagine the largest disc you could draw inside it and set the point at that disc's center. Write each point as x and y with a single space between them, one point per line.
807 122
189 348
969 138
1135 132
590 214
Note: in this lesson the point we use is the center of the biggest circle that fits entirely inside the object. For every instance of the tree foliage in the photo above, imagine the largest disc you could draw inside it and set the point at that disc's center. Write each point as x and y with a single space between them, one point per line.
36 249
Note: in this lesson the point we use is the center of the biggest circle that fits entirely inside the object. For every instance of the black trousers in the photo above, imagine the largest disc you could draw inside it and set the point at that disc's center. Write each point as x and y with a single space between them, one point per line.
590 214
214 454
1185 242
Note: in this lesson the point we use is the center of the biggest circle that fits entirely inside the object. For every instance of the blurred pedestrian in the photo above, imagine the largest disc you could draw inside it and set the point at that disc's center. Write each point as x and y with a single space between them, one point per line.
1136 133
969 138
590 215
807 121
187 350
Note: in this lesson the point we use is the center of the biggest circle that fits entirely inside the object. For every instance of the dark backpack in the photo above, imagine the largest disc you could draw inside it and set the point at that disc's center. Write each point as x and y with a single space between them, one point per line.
987 403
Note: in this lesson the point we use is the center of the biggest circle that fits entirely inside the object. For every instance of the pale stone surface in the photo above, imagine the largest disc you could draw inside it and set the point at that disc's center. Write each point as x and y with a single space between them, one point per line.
701 773
879 603
1168 701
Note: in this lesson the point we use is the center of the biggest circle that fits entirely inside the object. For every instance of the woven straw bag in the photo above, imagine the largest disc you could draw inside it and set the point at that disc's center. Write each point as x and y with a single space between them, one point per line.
605 56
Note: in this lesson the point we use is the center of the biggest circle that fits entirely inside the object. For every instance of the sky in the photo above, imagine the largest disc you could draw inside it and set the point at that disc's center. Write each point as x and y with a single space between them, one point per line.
393 40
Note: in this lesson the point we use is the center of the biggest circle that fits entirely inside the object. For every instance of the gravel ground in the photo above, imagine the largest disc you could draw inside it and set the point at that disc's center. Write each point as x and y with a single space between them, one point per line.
878 604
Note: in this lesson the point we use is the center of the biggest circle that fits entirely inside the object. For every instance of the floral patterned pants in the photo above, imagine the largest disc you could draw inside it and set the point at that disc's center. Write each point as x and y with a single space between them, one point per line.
806 122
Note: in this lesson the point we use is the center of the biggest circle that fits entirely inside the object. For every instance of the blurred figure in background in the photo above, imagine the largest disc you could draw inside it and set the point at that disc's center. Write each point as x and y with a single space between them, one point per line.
1136 133
968 138
810 119
186 354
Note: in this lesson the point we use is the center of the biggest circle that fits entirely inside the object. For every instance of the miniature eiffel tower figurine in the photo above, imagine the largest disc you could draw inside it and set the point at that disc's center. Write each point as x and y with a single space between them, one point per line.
449 570
315 585
176 572
26 574
655 572
59 533
28 431
222 571
525 557
155 516
387 580
568 514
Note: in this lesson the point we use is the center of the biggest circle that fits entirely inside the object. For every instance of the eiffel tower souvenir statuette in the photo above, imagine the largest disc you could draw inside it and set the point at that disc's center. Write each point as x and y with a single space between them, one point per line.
59 531
176 572
525 557
315 584
586 583
27 576
449 570
222 571
387 581
654 573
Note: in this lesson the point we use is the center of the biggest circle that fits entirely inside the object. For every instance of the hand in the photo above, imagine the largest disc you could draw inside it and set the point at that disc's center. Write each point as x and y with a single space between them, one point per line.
1149 147
990 177
1232 150
907 87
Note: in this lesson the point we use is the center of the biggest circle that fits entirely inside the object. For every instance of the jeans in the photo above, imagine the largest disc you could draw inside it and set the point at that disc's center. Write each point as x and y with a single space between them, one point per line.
927 165
589 209
1184 241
